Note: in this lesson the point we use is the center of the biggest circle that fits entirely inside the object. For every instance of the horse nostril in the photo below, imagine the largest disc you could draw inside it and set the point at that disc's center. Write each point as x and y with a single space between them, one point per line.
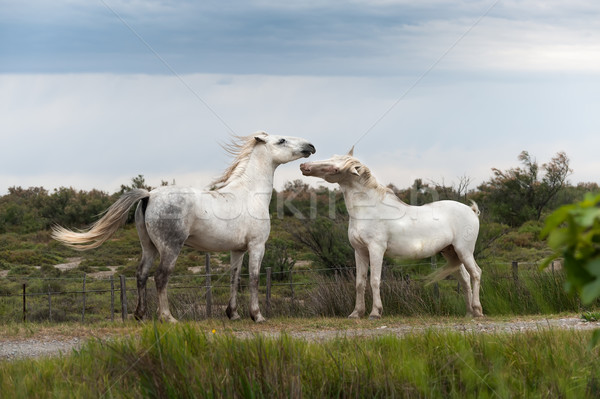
312 148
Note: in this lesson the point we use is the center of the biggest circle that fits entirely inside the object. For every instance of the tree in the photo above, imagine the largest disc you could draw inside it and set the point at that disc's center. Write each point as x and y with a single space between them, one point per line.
136 182
519 194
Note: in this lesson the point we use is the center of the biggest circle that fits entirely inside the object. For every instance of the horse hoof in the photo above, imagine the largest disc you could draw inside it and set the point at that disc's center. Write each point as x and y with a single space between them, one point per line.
477 312
259 318
374 316
138 316
354 315
234 316
167 319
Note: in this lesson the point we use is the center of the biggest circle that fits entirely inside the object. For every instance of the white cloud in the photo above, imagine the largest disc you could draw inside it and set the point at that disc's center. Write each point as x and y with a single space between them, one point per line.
526 77
100 130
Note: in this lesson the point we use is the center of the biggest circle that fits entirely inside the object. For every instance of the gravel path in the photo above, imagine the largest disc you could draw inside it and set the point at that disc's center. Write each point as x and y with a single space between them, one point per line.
37 347
51 346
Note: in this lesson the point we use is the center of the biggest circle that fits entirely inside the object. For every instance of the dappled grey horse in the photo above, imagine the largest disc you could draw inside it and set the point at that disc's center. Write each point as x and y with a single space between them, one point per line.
381 223
233 216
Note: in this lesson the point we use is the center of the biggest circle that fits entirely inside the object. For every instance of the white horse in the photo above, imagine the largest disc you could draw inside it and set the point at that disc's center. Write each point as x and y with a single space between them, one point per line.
233 216
381 223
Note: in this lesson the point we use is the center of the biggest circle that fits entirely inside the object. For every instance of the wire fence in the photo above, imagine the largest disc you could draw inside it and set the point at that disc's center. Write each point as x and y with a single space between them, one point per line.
193 297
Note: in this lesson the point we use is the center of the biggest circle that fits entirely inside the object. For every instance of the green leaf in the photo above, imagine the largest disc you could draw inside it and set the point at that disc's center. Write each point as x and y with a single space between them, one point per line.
590 292
593 267
587 217
555 219
560 238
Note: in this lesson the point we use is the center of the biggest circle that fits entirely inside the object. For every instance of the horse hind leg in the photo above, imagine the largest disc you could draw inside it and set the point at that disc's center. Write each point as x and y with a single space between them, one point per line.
236 265
161 278
465 283
455 267
143 269
149 253
475 274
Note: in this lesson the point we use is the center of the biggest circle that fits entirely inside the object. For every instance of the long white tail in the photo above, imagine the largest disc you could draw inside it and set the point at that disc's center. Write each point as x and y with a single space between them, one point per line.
441 273
105 227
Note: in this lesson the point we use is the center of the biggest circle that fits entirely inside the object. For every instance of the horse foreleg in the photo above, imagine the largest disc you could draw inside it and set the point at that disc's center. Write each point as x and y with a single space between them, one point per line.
255 256
376 259
362 266
236 265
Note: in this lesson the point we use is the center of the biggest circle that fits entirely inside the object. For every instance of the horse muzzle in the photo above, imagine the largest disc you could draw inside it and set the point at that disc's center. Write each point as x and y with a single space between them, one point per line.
308 150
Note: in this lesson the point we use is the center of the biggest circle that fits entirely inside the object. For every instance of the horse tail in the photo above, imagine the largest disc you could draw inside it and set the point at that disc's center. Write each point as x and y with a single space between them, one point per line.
441 273
114 217
475 208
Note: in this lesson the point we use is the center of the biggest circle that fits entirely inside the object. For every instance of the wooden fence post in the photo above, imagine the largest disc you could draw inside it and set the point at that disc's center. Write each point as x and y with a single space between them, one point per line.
208 287
112 298
123 298
268 291
49 304
436 286
292 285
83 307
515 271
24 302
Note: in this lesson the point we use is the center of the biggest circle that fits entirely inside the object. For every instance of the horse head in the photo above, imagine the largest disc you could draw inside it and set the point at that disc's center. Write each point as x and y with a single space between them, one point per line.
335 169
284 149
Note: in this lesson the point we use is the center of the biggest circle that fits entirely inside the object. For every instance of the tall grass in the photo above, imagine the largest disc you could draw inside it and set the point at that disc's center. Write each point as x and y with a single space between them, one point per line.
184 362
536 292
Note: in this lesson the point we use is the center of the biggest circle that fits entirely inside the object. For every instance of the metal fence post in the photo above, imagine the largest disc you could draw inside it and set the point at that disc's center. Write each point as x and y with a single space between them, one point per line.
123 298
268 291
208 287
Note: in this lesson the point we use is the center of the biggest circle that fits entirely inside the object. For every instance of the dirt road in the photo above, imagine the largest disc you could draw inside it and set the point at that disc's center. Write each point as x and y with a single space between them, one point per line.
51 345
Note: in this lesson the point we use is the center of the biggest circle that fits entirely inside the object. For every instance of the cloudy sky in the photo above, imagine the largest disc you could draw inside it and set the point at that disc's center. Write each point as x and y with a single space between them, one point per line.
93 93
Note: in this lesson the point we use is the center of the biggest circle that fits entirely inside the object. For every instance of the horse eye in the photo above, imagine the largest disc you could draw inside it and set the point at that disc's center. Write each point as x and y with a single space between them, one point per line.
281 141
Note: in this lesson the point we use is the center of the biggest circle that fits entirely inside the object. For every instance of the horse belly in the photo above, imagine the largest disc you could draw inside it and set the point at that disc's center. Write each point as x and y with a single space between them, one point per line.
217 240
215 235
418 246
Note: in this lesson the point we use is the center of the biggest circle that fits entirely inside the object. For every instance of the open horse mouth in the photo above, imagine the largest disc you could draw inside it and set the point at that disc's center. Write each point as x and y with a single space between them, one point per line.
305 169
308 150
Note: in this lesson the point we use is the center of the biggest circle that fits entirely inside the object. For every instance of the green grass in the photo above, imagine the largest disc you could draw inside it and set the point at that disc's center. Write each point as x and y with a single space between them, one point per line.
188 361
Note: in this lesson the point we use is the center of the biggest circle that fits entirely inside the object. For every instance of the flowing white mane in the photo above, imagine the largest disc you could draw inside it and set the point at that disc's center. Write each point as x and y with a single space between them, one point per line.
366 178
240 148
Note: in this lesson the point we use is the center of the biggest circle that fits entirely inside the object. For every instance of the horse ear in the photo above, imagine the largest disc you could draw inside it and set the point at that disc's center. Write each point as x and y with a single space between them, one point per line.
351 152
354 170
259 139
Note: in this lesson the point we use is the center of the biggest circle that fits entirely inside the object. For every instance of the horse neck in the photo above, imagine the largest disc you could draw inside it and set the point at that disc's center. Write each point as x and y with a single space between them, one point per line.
257 176
357 196
364 201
